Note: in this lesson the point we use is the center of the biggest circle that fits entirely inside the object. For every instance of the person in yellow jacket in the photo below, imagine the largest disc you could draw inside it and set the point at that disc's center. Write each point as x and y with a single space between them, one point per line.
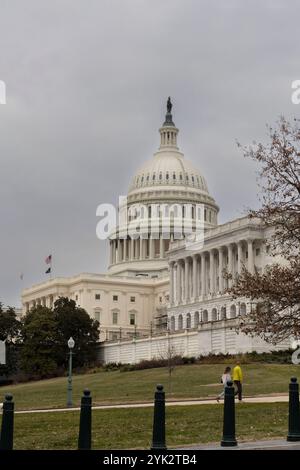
237 378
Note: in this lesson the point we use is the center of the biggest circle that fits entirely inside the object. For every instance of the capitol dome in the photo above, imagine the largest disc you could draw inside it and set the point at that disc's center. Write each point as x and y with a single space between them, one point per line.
168 168
164 183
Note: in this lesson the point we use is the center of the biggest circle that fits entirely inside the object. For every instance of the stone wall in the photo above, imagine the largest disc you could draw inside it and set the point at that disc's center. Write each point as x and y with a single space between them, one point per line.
212 337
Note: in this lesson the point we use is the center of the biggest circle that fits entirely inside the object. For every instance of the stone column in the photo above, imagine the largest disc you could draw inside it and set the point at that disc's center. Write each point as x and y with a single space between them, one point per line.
141 247
195 290
186 280
203 272
118 251
110 252
240 254
171 294
230 264
125 249
221 280
250 256
151 248
132 248
161 247
211 272
178 283
114 251
137 248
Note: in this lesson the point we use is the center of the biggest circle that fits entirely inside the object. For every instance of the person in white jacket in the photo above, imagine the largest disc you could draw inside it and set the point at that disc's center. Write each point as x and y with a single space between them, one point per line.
226 377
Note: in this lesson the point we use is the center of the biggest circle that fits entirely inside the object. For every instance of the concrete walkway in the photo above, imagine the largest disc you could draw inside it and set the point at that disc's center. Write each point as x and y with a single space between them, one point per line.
258 399
274 444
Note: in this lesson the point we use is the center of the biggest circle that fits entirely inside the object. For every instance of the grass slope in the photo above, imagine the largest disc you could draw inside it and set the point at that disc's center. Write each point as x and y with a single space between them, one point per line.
131 428
189 381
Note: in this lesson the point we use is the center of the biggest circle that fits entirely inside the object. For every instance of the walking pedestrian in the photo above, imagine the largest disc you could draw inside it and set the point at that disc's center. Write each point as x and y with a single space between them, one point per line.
238 379
226 377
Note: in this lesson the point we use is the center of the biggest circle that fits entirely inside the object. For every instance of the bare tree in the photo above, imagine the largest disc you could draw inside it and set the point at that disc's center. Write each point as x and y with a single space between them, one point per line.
276 292
170 354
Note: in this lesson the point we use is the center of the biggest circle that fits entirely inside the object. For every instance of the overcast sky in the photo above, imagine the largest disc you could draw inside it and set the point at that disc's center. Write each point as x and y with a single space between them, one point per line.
87 83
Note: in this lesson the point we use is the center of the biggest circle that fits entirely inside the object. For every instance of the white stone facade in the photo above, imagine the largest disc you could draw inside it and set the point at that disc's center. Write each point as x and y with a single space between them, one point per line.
157 272
197 275
124 307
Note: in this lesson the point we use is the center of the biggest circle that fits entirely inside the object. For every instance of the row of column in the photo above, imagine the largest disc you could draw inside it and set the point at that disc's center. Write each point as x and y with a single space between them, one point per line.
44 301
203 273
129 249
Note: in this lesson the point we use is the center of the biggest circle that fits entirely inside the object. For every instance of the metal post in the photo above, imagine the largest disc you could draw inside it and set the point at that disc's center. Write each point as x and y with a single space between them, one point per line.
7 427
69 397
294 411
85 424
159 432
228 439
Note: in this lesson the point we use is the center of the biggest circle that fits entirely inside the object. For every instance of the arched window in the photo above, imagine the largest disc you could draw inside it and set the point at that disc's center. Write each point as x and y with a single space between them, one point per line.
232 311
223 313
172 323
196 319
180 322
214 315
188 321
243 309
205 316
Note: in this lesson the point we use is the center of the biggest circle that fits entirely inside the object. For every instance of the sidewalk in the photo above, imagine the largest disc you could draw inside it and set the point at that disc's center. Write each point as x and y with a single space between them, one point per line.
274 444
258 399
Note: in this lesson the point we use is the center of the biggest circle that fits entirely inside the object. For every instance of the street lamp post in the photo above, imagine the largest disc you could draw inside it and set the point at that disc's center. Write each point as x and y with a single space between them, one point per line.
71 344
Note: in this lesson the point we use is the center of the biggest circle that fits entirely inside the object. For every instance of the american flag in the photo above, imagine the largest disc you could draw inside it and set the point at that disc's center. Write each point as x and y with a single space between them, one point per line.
48 259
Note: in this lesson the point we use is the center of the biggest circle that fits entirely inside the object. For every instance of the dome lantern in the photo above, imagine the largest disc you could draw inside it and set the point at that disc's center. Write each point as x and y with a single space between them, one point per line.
168 131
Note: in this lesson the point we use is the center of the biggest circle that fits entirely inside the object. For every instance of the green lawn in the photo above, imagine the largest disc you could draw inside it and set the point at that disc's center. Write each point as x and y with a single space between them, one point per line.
189 381
131 428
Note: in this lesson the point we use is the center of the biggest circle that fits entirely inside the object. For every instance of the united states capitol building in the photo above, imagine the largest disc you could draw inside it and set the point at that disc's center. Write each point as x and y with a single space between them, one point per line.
165 283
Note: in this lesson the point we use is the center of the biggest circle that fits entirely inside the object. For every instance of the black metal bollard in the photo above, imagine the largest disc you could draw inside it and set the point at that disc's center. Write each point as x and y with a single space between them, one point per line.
159 424
7 427
228 439
85 425
294 411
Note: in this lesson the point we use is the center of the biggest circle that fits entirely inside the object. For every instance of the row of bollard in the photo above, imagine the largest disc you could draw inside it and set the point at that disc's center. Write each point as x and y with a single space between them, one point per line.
85 423
159 424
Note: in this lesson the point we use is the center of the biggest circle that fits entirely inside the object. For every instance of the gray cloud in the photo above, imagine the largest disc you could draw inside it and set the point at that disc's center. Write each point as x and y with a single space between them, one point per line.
86 90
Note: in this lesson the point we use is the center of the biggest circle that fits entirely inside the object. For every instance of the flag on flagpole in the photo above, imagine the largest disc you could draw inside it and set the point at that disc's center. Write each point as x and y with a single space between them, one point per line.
48 259
48 271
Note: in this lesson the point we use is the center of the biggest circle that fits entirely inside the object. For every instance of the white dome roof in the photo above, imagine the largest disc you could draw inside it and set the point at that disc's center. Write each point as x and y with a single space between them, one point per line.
168 168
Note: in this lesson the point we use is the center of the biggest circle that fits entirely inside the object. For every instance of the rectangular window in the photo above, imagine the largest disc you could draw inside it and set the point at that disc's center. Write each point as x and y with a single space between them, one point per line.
115 318
132 319
257 251
97 315
76 297
115 298
97 296
132 299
